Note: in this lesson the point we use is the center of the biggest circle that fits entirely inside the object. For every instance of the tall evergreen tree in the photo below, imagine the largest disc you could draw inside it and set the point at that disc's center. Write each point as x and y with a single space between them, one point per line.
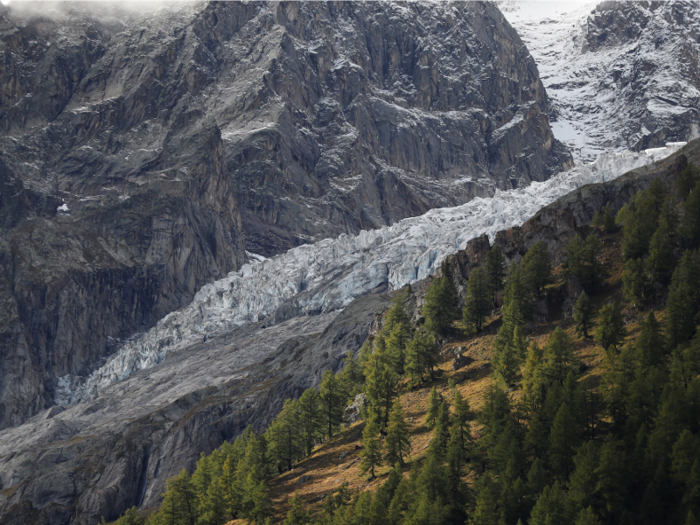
381 387
636 284
310 418
479 301
297 514
396 343
495 269
434 402
283 436
558 357
611 329
422 354
537 267
686 181
371 453
441 306
563 439
582 261
333 397
583 314
659 264
690 223
398 440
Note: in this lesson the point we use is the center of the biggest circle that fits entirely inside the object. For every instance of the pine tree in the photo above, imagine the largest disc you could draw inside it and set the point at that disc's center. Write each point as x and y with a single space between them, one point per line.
608 220
130 517
641 220
441 306
457 491
371 453
381 387
351 378
651 348
398 441
462 416
690 223
333 398
558 356
495 269
611 326
260 504
582 261
686 181
421 356
587 517
298 514
562 441
310 418
486 511
583 479
636 285
551 508
682 302
442 428
534 378
659 264
396 343
434 402
283 436
179 503
479 301
537 267
213 507
583 314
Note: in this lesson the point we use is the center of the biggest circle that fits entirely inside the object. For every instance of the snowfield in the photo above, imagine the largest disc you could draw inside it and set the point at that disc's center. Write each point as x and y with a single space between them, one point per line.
329 274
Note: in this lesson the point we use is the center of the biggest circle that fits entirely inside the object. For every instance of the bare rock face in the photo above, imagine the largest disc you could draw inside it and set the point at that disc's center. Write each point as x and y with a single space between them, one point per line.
140 150
656 79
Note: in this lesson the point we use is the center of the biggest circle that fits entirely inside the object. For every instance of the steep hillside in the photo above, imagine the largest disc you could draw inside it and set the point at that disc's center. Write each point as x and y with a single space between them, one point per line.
143 152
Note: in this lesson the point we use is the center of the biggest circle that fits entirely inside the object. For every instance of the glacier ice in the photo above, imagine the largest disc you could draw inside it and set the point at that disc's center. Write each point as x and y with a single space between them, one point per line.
329 274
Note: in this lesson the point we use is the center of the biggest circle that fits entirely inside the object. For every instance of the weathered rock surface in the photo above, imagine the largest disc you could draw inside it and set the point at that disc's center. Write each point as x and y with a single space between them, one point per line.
139 150
100 457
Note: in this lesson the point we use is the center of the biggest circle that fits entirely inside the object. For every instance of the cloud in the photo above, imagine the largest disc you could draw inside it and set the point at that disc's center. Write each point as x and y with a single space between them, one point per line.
97 8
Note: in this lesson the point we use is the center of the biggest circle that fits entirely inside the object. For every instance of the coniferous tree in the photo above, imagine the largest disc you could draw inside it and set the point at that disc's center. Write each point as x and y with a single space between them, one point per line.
442 428
396 343
495 269
582 261
682 302
537 268
371 453
381 387
690 223
441 307
552 508
479 301
398 441
534 378
283 436
563 439
213 505
351 378
310 418
587 517
686 181
611 329
297 514
636 285
659 264
462 416
179 505
434 402
558 357
130 517
333 398
583 314
608 220
422 355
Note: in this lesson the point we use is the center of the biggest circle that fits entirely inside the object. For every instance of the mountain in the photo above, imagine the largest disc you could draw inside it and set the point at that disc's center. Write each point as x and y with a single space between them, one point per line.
135 424
143 152
620 75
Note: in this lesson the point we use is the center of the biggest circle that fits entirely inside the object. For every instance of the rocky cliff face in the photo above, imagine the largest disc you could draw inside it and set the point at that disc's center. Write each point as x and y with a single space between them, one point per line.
620 75
140 151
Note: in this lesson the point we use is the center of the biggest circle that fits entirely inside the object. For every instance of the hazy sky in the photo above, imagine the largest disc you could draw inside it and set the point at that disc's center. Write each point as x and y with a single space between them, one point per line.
49 7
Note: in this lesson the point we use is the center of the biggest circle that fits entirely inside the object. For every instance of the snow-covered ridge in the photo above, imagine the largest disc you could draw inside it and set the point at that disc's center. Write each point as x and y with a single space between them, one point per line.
329 274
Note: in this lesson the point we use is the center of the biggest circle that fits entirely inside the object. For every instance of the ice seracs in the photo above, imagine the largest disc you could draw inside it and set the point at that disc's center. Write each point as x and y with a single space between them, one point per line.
327 275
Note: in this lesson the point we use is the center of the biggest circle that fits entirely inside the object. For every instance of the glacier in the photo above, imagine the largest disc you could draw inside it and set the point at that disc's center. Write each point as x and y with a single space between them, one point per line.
327 275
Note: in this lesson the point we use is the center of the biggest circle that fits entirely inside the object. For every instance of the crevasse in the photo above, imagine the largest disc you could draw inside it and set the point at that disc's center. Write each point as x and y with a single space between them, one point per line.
329 274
